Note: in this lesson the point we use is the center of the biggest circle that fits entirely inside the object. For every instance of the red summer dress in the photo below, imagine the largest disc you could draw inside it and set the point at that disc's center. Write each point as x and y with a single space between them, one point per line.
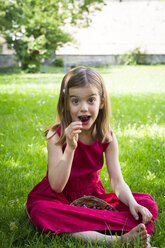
51 211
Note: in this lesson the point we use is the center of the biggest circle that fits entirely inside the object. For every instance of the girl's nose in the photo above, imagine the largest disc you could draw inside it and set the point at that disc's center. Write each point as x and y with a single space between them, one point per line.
84 106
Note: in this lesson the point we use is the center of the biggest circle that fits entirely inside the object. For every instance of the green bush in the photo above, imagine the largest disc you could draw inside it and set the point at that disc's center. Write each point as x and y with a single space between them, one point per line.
133 57
59 62
32 68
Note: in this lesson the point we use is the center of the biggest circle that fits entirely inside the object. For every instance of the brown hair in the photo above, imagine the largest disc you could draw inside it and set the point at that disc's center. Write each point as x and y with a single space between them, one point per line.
79 77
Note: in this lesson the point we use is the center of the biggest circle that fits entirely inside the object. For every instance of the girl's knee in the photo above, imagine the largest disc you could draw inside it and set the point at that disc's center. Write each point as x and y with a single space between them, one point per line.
37 215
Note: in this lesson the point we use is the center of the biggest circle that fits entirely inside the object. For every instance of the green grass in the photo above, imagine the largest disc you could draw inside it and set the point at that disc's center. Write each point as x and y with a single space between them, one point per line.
28 104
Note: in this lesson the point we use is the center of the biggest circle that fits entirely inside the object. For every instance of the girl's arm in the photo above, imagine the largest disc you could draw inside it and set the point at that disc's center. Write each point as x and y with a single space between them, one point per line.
59 163
119 187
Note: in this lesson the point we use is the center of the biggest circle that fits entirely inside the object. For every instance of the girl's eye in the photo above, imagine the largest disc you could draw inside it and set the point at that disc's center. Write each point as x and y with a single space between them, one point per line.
75 101
91 100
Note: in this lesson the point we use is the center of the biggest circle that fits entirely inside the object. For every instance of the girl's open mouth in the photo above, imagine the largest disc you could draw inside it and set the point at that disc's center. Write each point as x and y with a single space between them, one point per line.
84 119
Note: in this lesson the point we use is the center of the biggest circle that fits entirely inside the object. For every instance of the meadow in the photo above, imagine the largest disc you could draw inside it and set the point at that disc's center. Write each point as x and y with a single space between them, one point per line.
28 104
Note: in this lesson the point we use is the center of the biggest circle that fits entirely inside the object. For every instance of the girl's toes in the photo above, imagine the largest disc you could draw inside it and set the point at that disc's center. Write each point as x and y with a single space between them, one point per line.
148 237
148 245
142 227
144 237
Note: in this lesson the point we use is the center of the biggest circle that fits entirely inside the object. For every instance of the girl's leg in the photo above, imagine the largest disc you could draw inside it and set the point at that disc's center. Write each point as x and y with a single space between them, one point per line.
137 233
94 236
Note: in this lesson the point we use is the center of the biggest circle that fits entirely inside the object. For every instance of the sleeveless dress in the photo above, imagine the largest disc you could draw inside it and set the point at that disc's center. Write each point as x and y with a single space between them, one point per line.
51 211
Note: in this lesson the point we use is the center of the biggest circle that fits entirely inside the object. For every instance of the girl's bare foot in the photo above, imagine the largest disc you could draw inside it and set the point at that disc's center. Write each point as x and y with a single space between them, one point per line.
139 233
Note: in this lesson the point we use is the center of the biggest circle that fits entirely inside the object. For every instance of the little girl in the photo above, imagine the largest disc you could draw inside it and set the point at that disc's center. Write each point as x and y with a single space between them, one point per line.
75 155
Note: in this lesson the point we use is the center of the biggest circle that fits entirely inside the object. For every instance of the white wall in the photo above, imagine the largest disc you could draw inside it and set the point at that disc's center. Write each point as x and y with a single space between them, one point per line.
122 26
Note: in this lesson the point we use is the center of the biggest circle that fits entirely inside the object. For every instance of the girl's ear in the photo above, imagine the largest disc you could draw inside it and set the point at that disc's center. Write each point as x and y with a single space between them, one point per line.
101 104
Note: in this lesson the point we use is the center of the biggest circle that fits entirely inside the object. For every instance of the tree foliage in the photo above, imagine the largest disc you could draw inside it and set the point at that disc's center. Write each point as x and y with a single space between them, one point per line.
36 28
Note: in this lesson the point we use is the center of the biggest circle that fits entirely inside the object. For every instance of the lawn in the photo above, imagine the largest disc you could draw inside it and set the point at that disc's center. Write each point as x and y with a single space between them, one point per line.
28 104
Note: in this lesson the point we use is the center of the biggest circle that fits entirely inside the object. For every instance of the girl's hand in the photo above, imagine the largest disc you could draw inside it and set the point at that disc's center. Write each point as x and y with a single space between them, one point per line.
138 209
72 132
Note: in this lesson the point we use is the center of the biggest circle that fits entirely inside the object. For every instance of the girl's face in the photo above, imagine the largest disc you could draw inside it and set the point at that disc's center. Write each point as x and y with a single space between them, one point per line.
84 105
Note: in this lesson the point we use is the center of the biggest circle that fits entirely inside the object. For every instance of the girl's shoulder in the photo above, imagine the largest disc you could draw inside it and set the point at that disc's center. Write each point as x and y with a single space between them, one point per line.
53 131
52 140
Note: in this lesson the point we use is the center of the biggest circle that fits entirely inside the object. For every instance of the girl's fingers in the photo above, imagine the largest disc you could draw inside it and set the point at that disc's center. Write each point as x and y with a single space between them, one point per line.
146 216
76 126
76 123
77 131
72 132
134 213
143 218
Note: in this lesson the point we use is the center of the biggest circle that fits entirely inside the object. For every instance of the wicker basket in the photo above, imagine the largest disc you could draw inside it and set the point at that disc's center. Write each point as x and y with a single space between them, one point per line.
92 202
